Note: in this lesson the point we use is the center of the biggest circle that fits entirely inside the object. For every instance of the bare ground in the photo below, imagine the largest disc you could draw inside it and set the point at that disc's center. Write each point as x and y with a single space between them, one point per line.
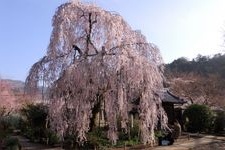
199 142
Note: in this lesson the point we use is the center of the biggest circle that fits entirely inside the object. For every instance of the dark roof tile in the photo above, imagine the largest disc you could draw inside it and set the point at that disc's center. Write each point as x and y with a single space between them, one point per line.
171 98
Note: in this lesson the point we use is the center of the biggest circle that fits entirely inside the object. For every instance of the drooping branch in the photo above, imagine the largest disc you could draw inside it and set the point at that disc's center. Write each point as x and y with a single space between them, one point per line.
107 58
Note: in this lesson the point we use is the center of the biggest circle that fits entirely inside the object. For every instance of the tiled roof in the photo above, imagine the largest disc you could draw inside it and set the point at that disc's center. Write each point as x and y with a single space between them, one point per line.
171 98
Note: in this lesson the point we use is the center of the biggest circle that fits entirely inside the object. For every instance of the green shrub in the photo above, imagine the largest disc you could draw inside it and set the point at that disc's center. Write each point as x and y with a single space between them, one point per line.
198 118
97 139
12 143
134 132
35 115
51 137
34 121
14 121
5 127
159 133
219 124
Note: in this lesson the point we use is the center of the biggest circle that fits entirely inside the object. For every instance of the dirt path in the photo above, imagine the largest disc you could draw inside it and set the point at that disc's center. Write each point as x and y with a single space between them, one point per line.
204 142
27 145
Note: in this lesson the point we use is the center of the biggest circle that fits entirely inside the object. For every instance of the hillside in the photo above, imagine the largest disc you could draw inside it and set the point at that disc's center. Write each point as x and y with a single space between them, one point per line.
16 85
201 65
12 95
201 80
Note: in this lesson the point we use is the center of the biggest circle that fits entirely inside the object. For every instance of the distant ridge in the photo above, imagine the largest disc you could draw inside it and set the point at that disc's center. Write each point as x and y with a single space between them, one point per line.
16 85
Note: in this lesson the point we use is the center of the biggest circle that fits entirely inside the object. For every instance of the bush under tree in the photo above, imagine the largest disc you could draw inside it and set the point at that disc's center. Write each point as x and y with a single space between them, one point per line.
219 124
198 118
35 125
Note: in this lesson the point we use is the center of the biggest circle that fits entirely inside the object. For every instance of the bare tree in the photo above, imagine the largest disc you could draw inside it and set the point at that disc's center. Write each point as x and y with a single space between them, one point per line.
7 98
208 90
95 57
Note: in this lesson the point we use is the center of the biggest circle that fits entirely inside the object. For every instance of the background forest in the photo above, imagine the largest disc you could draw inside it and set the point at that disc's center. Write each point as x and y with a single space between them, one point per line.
201 80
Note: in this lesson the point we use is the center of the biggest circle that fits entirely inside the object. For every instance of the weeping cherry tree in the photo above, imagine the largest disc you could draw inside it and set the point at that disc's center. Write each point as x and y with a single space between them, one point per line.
94 56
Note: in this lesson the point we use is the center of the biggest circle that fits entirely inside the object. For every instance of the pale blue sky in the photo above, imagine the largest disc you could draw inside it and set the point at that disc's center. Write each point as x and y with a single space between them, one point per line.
178 27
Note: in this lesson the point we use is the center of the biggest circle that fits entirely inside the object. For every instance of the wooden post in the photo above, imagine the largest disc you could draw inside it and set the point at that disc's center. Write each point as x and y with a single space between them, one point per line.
132 120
